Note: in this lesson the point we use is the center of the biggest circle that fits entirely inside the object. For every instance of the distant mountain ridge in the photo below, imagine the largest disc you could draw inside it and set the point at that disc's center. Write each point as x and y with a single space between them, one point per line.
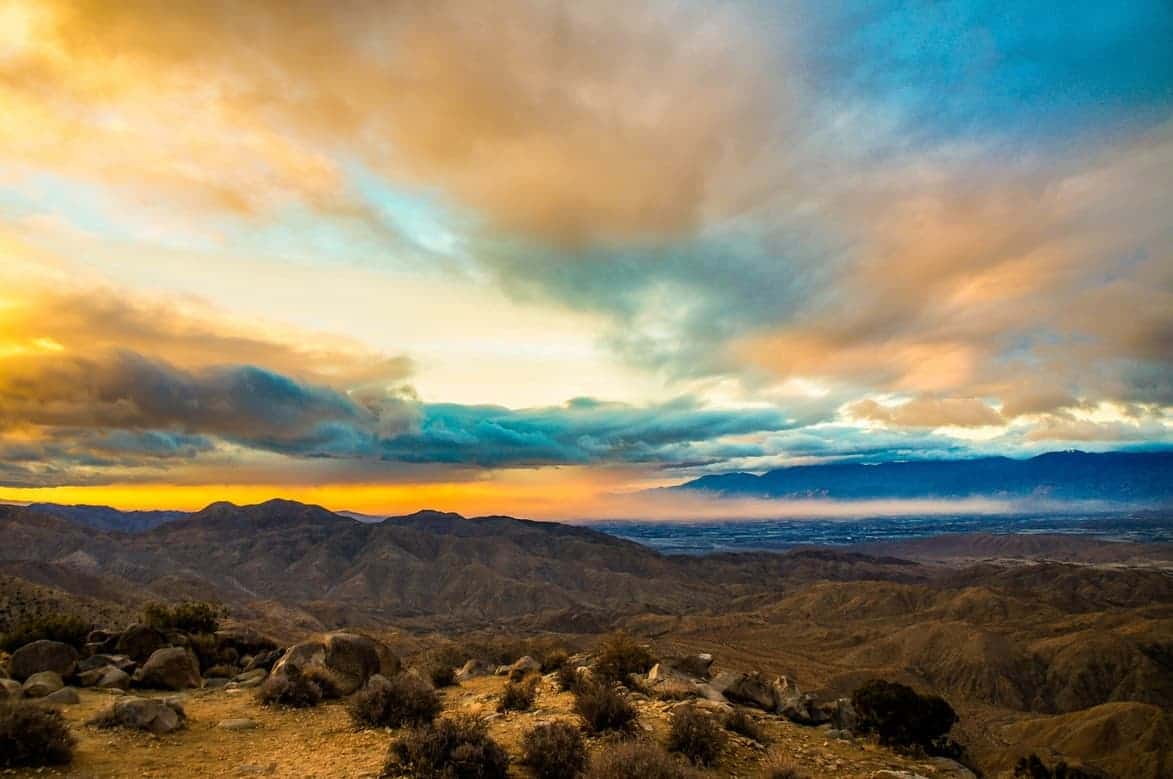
109 518
1123 477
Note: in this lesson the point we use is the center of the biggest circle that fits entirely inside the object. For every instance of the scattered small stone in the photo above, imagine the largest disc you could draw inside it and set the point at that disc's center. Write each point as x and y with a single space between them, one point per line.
237 724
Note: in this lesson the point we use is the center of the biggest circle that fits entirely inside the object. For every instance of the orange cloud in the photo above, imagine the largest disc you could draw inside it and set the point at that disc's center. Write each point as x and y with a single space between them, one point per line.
552 118
928 412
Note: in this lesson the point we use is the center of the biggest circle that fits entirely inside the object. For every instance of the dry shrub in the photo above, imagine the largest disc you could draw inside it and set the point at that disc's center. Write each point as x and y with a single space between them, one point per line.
603 708
619 655
554 750
567 677
442 674
456 748
552 659
635 760
32 735
393 703
291 688
66 628
778 768
696 735
519 696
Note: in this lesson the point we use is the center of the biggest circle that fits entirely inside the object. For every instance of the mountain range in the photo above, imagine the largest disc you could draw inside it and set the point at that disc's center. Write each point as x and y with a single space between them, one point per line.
1010 635
1134 478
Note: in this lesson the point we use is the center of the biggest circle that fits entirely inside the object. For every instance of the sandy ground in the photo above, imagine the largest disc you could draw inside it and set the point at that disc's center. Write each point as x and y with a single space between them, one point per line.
322 742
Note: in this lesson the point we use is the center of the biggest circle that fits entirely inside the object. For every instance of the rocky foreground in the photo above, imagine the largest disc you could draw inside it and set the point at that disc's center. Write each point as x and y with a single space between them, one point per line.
146 702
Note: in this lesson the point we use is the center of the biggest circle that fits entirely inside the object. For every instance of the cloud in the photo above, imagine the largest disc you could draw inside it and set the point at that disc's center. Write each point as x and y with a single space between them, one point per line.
928 412
580 432
545 117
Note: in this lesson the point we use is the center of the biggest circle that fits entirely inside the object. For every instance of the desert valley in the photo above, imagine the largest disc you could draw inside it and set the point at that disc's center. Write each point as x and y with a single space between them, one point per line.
1052 646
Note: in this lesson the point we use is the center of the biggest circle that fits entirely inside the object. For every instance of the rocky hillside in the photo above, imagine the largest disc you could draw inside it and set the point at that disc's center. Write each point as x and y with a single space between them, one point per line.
1005 640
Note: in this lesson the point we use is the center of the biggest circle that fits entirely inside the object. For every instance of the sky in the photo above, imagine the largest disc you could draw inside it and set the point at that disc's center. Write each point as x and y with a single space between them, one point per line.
539 256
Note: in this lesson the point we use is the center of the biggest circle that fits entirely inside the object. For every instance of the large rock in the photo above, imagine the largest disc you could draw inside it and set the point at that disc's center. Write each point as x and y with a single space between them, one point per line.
667 682
797 706
750 689
42 684
43 656
10 688
149 714
264 660
101 661
66 695
114 679
472 669
524 665
173 668
245 641
352 658
696 666
139 642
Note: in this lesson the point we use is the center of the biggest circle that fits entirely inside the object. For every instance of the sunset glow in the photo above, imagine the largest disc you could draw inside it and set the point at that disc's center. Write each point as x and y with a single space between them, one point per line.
537 257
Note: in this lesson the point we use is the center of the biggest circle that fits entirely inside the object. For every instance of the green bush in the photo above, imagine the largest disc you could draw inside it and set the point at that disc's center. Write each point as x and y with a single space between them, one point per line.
456 748
191 616
405 699
32 735
635 760
290 688
602 708
66 628
554 750
519 696
696 735
738 721
619 655
903 718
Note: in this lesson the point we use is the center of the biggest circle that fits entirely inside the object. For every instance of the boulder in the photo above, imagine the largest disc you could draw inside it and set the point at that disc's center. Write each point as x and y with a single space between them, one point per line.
667 682
244 641
697 666
10 688
797 706
139 642
173 668
114 679
41 684
263 660
251 678
751 689
149 714
352 657
41 656
472 669
100 661
524 665
842 715
66 695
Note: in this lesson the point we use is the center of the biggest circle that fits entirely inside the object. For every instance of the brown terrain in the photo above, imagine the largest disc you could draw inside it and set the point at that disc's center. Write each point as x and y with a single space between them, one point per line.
1057 646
